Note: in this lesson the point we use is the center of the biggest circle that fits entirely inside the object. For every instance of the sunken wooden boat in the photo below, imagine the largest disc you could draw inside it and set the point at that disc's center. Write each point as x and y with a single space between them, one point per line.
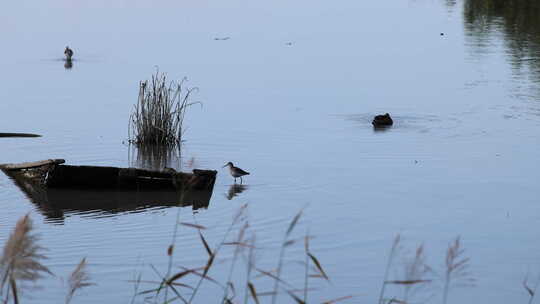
53 173
57 189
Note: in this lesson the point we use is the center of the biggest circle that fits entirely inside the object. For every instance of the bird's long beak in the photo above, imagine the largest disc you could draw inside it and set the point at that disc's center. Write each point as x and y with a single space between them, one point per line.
225 165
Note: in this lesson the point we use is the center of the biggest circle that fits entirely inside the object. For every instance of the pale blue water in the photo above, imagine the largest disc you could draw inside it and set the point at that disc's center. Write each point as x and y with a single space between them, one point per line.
461 159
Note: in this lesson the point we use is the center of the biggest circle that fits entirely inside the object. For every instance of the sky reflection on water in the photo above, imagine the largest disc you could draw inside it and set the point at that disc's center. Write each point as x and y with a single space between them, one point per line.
289 96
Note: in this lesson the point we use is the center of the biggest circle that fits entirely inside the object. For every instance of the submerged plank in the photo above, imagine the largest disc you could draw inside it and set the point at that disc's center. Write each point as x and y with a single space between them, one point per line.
19 135
29 165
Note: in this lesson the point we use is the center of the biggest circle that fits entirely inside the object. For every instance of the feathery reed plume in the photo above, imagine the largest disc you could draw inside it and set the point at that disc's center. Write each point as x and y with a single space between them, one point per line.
78 279
415 272
20 260
456 267
160 110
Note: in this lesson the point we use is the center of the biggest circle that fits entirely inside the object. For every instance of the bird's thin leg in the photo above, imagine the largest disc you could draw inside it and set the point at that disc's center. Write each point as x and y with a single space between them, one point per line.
241 182
235 180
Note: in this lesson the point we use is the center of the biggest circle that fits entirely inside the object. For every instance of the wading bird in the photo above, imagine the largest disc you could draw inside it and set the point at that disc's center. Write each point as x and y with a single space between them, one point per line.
69 53
236 172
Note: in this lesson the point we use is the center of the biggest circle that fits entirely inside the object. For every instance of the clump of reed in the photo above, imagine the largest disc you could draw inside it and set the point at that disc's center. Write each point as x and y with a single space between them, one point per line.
21 263
244 248
409 278
159 114
416 274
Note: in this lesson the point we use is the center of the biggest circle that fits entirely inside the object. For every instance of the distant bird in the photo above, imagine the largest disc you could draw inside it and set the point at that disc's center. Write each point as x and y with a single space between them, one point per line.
236 172
69 53
382 120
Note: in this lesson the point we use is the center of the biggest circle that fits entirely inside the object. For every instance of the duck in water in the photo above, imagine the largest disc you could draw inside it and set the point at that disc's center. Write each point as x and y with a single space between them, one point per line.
236 172
69 53
382 120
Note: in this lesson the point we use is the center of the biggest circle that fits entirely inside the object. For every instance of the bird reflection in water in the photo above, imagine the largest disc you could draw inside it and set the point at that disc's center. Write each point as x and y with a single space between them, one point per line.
381 128
234 190
68 64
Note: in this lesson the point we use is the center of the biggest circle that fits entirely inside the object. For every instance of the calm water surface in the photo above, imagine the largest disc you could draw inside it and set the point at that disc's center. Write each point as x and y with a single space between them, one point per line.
289 97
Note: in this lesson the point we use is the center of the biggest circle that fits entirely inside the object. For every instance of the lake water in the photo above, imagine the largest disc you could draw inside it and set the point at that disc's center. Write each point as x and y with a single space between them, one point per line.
290 98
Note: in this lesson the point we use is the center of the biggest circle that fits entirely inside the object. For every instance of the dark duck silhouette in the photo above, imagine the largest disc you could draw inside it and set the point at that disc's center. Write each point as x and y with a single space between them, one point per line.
382 120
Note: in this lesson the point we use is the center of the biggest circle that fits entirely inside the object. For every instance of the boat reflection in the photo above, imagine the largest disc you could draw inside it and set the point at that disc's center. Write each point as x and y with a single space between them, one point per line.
58 203
235 189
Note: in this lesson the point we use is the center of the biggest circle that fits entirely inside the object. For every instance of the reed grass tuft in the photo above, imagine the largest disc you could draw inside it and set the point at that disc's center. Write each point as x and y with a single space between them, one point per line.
457 266
159 114
21 260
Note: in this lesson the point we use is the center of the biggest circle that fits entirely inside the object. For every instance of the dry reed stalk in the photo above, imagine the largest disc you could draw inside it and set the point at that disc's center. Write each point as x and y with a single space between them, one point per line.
306 270
78 279
21 259
170 249
285 243
213 253
530 291
393 250
253 292
137 281
338 299
250 267
239 245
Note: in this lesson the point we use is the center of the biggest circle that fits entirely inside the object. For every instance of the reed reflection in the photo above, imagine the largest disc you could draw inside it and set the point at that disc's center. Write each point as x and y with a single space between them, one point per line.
235 189
519 22
155 157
